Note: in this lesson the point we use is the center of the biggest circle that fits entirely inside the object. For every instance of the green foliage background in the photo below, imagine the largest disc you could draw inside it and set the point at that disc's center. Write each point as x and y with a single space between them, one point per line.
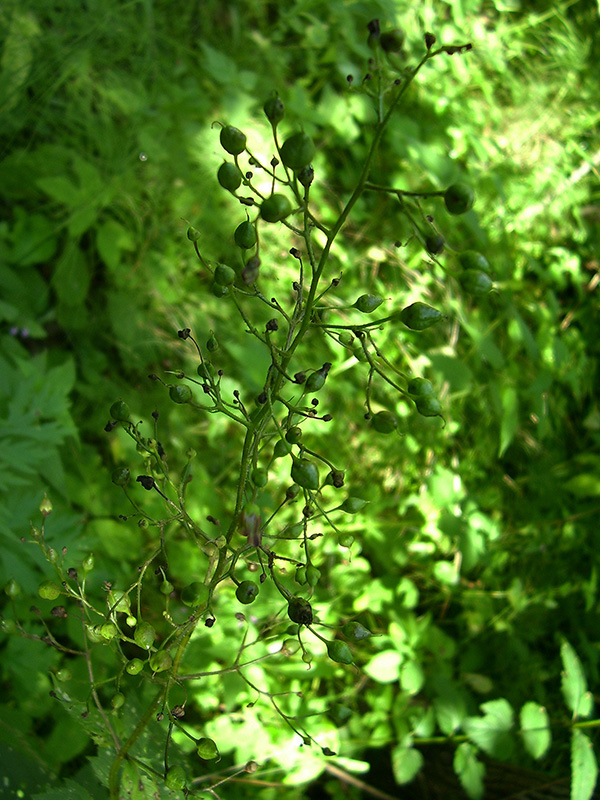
477 554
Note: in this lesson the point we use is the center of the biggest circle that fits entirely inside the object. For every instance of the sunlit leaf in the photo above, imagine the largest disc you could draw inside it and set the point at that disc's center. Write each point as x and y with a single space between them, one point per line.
584 767
535 729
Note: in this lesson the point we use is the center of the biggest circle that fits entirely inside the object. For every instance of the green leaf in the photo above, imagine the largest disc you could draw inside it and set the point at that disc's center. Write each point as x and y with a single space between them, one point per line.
469 771
535 729
406 763
450 707
72 277
574 684
492 731
384 667
510 418
584 767
412 677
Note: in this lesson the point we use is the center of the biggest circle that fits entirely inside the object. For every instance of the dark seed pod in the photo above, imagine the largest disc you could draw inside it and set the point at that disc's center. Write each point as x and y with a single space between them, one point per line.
245 235
459 198
419 316
434 243
229 176
300 611
233 140
251 270
274 109
120 411
392 41
247 592
306 175
297 152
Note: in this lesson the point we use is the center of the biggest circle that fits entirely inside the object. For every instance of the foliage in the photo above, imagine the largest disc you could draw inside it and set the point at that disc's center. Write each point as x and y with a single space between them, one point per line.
464 496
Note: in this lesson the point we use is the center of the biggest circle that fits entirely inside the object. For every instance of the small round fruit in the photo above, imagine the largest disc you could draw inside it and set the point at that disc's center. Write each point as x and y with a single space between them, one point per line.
117 700
180 393
166 588
367 303
63 675
247 592
297 151
229 176
224 275
245 235
392 41
471 259
207 749
420 316
312 575
281 449
160 661
108 630
144 635
305 473
175 779
434 243
429 406
120 411
300 611
384 422
275 208
356 631
352 505
49 590
195 594
294 434
12 588
260 477
135 666
340 652
459 198
233 140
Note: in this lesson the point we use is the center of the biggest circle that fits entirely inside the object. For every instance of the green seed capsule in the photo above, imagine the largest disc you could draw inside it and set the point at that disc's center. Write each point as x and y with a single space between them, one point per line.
144 635
207 749
471 259
356 631
175 779
294 434
108 631
166 588
120 411
160 661
305 473
275 208
49 590
300 611
218 290
384 422
224 275
192 234
459 198
368 303
312 575
195 594
281 449
117 700
418 387
352 505
229 176
419 316
247 592
475 282
297 151
340 652
63 675
233 140
120 476
135 666
180 393
245 235
429 406
434 243
274 110
317 380
12 588
300 576
260 477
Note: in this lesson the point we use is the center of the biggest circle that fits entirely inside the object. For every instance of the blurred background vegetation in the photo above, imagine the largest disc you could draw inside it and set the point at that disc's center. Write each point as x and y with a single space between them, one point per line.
479 548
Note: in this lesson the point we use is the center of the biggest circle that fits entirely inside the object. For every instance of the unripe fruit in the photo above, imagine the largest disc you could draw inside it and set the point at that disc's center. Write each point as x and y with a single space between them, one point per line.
135 666
340 652
281 449
459 198
292 491
180 393
317 379
120 476
88 563
352 505
312 575
63 675
305 473
345 540
260 477
419 316
384 422
300 576
429 406
212 345
475 282
205 370
247 592
49 590
245 235
418 387
300 611
108 631
367 303
471 259
117 700
392 41
434 243
274 110
306 175
144 635
193 234
175 779
160 661
251 270
12 588
233 140
275 208
207 749
229 176
224 275
218 290
166 588
356 631
297 151
120 411
195 594
294 434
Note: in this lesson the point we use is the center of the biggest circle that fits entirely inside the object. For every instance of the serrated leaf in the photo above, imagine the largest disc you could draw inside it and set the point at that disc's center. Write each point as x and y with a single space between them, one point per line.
450 708
584 767
535 729
574 684
491 732
406 763
469 771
